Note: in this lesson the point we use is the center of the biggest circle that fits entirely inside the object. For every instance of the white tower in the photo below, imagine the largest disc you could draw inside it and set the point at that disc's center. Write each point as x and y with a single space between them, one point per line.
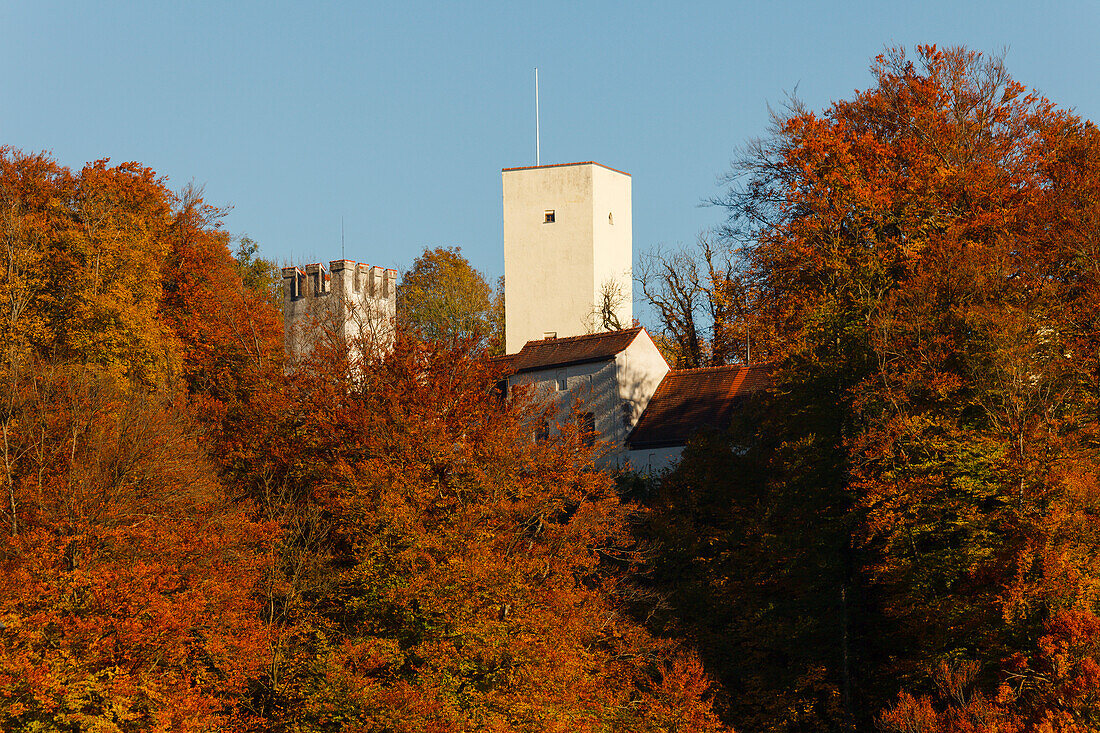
567 250
350 301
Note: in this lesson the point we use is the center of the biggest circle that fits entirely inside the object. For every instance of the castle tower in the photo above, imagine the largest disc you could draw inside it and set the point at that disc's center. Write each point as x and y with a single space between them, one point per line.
567 250
351 300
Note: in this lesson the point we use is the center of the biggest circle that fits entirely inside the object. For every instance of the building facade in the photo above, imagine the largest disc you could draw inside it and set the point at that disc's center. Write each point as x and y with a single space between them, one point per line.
567 250
351 301
604 380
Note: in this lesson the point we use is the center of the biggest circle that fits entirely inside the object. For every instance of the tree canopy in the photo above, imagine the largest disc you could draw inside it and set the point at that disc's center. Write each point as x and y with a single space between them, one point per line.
443 297
192 538
914 511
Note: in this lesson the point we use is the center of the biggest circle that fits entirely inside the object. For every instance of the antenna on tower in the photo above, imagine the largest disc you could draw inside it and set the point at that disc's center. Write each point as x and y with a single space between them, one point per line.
538 157
342 237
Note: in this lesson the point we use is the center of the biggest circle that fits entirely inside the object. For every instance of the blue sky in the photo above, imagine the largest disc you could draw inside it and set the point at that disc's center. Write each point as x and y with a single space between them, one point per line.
399 116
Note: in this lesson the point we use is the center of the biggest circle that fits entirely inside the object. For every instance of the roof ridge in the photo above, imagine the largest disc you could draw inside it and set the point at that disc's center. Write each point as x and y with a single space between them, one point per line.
582 336
720 367
564 165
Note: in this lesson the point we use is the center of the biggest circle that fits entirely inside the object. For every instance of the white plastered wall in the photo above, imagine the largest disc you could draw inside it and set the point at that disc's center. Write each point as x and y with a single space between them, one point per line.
612 239
553 271
654 461
640 368
604 388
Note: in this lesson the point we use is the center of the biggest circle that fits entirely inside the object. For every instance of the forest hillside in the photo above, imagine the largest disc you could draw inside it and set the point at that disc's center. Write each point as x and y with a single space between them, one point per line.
900 534
194 540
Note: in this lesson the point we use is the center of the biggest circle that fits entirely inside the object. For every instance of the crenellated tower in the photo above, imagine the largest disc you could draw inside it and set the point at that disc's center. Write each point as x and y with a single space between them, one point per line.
351 300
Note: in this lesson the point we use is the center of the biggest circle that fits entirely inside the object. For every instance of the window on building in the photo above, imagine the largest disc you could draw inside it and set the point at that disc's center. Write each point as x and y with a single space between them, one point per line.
548 216
542 432
610 218
586 421
627 411
561 382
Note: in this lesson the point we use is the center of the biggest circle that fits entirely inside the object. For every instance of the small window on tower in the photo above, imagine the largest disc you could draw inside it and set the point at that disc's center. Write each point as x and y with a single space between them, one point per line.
610 218
549 216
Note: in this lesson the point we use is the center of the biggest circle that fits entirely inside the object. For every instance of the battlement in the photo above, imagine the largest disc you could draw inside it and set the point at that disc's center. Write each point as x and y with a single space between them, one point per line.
354 299
342 276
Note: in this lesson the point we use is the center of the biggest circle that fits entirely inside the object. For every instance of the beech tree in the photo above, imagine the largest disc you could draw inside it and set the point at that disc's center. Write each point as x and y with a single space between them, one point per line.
445 571
926 469
127 576
85 254
229 334
443 297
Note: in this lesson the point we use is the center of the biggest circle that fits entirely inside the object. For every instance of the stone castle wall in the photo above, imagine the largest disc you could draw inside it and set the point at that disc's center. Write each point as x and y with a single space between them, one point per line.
352 301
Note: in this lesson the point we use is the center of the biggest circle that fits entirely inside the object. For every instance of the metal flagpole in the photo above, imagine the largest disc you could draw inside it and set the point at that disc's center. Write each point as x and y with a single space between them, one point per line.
538 157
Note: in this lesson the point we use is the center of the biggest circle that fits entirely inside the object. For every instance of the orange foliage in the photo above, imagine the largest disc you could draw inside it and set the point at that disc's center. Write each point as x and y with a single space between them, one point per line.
86 251
445 571
126 578
231 336
926 251
423 564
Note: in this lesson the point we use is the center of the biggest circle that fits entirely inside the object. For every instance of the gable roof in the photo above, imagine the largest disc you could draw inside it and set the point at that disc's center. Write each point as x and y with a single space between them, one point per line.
690 399
555 352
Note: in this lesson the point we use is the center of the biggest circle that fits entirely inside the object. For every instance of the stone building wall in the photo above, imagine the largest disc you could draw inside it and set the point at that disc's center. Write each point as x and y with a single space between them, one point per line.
352 301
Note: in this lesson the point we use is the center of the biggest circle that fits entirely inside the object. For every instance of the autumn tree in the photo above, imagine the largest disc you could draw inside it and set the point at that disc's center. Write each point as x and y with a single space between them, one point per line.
925 253
443 297
85 253
229 333
260 275
444 570
706 311
127 576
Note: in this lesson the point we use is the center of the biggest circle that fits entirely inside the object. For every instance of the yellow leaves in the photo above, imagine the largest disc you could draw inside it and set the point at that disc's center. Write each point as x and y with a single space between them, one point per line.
84 256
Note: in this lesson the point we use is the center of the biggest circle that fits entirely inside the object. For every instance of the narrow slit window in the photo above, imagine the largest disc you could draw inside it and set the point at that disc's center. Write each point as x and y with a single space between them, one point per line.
610 218
548 216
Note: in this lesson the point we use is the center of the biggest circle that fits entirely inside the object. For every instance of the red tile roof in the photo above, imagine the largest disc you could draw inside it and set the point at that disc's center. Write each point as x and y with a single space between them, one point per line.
690 399
503 363
549 353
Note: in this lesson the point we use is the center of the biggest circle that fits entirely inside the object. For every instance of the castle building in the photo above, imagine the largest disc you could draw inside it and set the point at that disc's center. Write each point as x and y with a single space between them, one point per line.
352 301
569 333
607 377
568 321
